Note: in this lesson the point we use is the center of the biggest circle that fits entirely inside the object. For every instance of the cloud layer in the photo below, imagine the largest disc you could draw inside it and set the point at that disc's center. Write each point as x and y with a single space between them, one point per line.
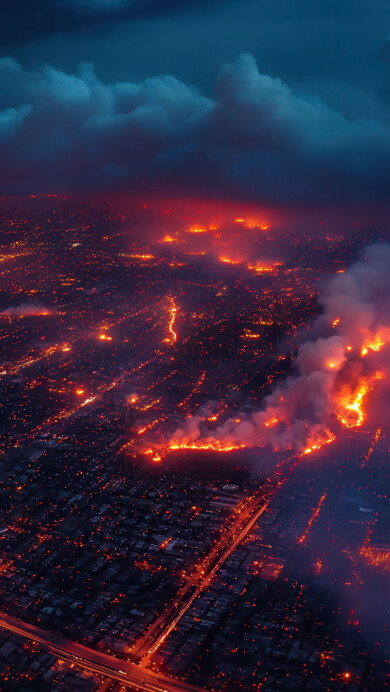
252 139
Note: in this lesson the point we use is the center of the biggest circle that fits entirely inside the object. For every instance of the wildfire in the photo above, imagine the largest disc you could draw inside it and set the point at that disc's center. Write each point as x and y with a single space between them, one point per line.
149 426
315 446
173 311
252 223
141 257
356 406
216 446
350 409
156 457
165 543
271 423
197 229
250 335
375 345
264 267
228 260
336 322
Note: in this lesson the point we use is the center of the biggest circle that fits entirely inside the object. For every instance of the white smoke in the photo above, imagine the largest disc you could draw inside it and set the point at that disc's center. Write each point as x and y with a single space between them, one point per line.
349 351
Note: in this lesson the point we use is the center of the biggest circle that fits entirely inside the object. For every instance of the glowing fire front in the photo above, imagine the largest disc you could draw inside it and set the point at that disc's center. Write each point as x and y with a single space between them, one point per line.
205 446
334 378
172 319
350 402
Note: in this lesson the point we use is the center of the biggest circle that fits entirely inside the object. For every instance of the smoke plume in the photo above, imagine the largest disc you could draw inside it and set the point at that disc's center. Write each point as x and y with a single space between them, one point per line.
334 373
26 310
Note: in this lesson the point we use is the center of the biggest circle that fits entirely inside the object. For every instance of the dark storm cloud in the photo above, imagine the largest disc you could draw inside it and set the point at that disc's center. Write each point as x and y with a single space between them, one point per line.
253 139
23 21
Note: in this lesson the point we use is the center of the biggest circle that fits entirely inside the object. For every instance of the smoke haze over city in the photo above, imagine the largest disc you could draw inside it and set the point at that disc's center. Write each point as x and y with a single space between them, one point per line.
194 346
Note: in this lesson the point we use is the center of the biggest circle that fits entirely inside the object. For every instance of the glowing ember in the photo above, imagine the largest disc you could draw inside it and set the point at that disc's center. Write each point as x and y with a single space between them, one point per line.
165 543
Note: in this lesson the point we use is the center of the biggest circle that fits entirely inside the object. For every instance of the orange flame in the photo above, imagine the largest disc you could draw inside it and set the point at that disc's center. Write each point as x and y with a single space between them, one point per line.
228 260
375 345
262 267
215 446
173 310
197 229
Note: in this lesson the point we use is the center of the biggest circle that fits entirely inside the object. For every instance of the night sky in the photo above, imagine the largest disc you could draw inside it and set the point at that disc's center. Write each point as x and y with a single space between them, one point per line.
265 101
195 345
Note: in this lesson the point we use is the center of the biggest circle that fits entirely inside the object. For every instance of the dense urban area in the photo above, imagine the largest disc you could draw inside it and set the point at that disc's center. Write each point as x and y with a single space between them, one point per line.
129 562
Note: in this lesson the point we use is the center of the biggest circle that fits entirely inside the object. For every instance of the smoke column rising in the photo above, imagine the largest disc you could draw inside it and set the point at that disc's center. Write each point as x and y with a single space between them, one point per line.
333 373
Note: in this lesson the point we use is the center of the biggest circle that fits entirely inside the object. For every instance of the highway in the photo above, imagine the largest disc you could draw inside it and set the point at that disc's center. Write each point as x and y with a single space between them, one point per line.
95 662
139 675
235 531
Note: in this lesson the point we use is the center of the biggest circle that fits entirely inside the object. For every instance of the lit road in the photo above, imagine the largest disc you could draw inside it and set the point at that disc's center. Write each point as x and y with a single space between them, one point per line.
236 530
95 662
